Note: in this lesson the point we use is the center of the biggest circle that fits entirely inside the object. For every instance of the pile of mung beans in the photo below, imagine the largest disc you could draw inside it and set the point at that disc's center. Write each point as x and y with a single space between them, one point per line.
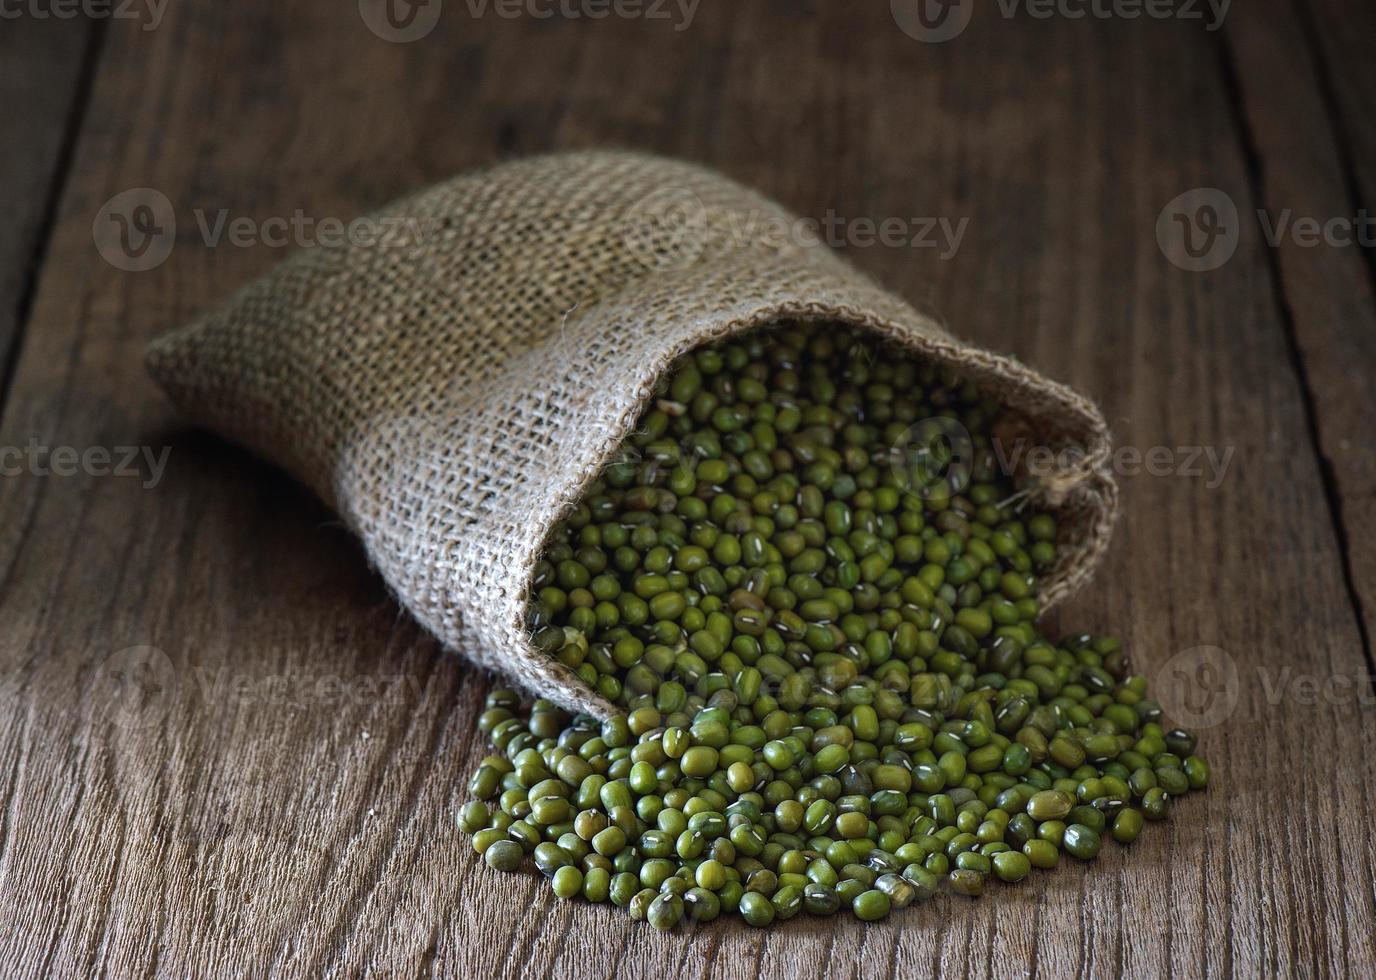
817 613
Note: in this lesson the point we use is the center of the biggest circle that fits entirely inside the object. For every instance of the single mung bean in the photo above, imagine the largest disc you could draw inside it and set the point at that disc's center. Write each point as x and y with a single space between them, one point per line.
568 881
872 905
665 911
504 855
756 909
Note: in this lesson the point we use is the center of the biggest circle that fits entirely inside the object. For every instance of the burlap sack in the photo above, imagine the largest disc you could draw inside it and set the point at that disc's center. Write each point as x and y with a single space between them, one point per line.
451 387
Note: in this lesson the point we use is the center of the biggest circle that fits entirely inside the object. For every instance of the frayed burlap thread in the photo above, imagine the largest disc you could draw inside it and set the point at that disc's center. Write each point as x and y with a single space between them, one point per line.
453 386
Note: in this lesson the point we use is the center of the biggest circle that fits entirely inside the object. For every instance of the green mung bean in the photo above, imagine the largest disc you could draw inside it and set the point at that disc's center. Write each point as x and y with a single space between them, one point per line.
819 621
757 909
567 882
871 905
665 911
504 855
1081 841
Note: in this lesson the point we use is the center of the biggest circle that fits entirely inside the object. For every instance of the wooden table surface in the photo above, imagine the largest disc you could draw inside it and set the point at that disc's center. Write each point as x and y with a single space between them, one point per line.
226 751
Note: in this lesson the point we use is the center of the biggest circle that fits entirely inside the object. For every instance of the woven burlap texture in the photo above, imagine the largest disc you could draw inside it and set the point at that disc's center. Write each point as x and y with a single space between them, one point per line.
451 386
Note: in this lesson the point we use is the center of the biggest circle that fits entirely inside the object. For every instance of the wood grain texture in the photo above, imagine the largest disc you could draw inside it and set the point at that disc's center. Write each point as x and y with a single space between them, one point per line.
42 71
1307 96
274 789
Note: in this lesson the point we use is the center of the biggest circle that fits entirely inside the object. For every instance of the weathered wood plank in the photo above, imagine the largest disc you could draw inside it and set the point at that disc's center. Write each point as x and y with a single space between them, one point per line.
285 801
1307 83
41 66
